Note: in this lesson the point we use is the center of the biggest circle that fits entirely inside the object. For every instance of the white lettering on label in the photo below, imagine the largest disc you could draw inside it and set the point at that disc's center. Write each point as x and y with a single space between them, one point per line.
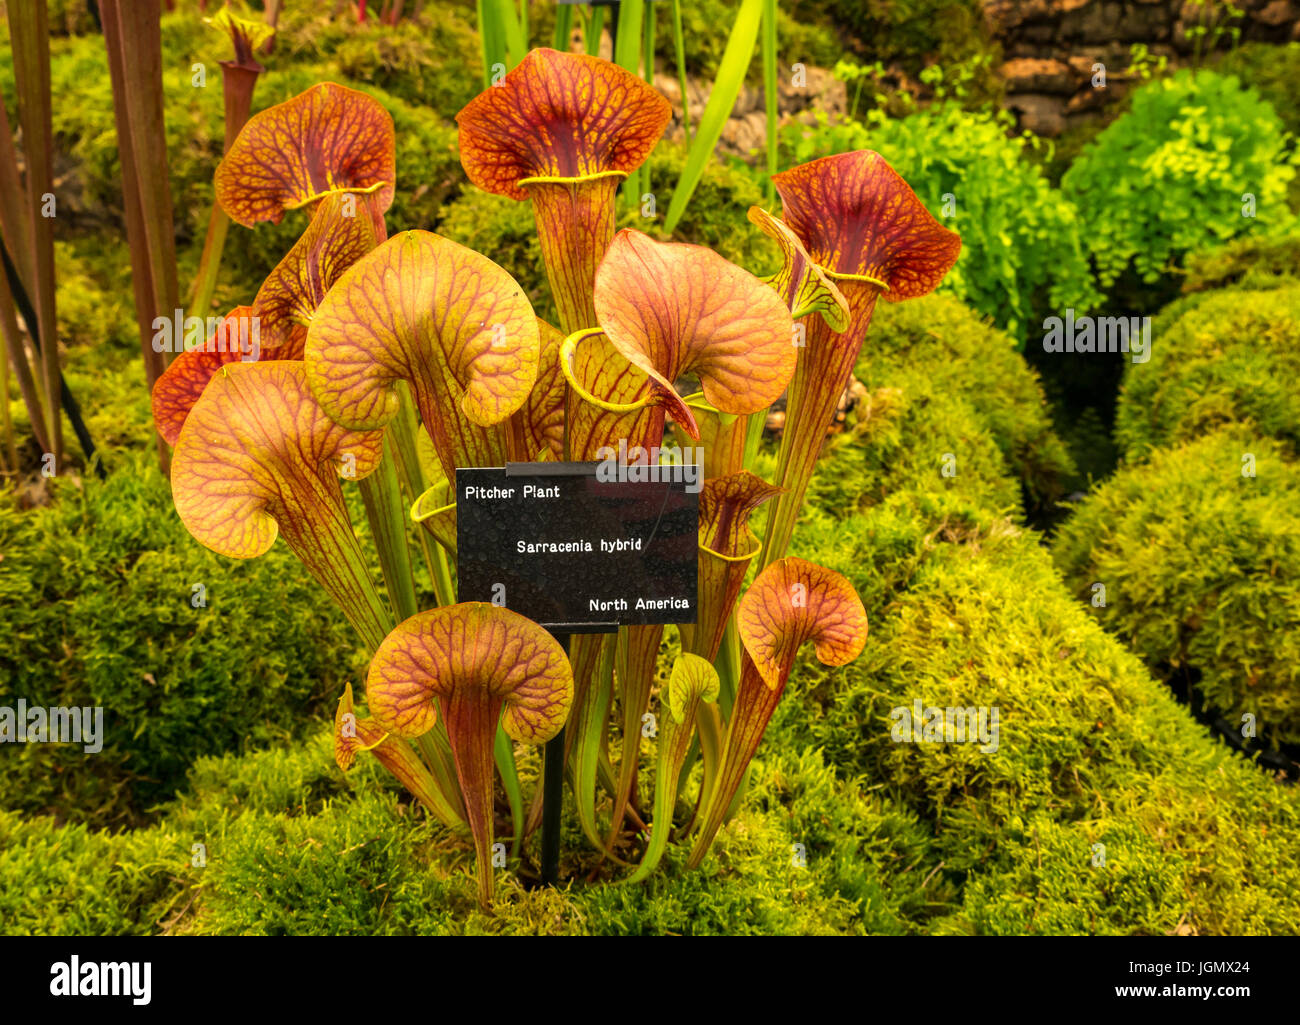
551 547
471 491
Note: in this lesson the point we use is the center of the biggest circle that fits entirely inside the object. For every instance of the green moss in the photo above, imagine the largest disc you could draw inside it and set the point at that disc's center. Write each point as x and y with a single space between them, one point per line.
294 848
411 60
1087 739
1273 71
96 308
1245 263
1231 358
958 351
717 215
1201 566
68 880
1077 878
915 436
910 33
96 608
71 18
804 36
897 838
953 414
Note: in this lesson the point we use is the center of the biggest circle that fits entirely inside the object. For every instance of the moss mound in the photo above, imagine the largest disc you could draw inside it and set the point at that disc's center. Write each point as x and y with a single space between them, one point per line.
1201 567
71 880
1247 262
96 608
293 847
1231 359
952 407
969 612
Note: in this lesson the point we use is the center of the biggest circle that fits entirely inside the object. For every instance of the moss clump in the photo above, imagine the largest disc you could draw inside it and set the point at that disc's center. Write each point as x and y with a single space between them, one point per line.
1075 878
295 847
69 880
951 408
95 606
802 35
1201 567
910 33
974 615
409 60
961 352
1246 263
916 436
1232 358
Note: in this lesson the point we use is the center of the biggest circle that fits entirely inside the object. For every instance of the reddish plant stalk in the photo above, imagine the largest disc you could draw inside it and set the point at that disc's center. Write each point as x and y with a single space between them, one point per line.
30 34
133 36
820 378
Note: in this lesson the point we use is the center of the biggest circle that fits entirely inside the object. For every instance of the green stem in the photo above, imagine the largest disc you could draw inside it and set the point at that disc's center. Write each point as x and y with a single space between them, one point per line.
587 746
595 26
385 512
711 732
637 656
563 28
679 45
404 430
205 279
491 45
770 92
728 665
754 438
648 56
755 703
238 82
674 742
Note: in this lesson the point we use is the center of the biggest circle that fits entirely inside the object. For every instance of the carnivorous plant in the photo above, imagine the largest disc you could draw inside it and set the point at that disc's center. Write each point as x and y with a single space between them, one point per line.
394 361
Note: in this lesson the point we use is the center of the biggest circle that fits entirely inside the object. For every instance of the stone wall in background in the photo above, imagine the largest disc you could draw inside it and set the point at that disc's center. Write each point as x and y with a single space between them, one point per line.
1050 47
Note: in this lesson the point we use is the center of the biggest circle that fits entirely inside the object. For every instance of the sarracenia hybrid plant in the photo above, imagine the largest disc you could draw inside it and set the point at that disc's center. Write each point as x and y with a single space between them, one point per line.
392 361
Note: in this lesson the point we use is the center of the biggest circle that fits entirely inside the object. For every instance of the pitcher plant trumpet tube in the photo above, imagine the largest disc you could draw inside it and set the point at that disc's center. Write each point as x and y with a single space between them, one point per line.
258 457
454 325
868 235
326 140
563 130
693 682
727 547
790 602
480 666
358 332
